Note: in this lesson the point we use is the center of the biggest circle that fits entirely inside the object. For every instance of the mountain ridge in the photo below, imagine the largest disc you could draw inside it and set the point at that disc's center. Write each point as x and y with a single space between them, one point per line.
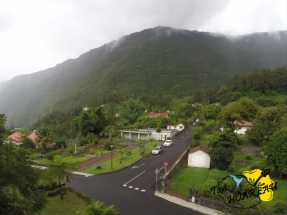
158 60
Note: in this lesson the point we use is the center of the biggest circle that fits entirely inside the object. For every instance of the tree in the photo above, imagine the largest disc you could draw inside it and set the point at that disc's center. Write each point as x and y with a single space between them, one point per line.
57 171
18 183
244 109
90 121
2 128
221 157
226 139
276 150
267 121
99 208
28 143
211 111
44 137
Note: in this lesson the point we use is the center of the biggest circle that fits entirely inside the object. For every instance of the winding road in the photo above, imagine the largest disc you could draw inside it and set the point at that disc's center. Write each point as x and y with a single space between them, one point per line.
132 189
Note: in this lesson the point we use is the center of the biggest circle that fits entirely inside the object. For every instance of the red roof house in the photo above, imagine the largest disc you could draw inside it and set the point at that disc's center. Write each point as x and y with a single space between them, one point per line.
156 114
15 138
33 136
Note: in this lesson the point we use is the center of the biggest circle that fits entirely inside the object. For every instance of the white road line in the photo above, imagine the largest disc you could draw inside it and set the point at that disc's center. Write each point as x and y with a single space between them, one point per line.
186 136
143 190
131 186
161 168
134 178
137 188
125 185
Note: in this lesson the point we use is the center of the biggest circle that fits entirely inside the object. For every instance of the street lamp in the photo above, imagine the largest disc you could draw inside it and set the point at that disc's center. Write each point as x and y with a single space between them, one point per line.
156 175
112 156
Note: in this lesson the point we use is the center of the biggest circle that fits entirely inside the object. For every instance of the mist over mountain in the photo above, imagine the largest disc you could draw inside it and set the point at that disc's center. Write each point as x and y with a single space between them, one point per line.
160 60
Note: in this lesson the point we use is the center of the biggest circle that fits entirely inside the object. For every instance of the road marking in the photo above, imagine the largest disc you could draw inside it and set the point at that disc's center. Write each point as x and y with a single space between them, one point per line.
143 190
137 188
134 178
125 185
131 186
137 166
186 136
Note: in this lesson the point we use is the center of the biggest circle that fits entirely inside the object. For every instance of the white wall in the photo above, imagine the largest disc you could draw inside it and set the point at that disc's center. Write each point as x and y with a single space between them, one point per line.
199 155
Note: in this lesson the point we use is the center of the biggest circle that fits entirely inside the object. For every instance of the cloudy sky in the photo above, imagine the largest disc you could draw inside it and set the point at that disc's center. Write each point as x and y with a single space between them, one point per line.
38 34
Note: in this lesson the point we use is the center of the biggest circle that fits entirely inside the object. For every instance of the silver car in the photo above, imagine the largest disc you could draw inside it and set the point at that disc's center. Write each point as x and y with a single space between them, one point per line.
157 150
167 143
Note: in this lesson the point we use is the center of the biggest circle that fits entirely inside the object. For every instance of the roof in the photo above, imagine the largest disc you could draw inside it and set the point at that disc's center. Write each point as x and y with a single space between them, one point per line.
243 124
156 114
16 137
199 148
196 105
33 136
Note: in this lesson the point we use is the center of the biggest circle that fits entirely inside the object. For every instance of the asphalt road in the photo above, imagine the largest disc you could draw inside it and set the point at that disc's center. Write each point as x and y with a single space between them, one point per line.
132 189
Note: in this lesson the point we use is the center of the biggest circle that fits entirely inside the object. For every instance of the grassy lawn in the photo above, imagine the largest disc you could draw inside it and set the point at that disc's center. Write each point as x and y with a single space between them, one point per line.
126 161
189 177
69 205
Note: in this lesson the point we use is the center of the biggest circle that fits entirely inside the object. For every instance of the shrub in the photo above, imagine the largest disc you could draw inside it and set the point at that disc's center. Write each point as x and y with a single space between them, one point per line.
221 157
206 187
258 165
196 135
231 168
280 207
248 157
214 174
60 144
84 197
91 150
51 154
201 124
83 142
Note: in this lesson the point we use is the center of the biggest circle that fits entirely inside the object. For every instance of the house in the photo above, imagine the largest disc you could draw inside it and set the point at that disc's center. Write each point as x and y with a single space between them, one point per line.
15 138
145 134
196 105
156 114
242 127
199 157
178 127
33 136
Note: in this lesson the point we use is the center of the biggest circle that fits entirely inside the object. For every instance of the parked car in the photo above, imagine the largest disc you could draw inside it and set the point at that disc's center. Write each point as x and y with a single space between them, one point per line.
167 143
157 150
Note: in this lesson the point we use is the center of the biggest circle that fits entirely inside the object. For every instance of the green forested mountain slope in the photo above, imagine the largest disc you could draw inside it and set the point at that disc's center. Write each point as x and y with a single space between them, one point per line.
158 61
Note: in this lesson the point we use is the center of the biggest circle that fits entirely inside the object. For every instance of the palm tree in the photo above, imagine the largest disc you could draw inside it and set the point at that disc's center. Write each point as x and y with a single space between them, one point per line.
44 137
57 171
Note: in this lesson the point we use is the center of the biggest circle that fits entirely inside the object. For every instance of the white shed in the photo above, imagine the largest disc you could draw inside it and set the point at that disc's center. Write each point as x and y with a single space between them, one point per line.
199 157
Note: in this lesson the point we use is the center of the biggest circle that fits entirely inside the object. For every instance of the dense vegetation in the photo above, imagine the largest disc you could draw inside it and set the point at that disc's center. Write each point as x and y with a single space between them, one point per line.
153 62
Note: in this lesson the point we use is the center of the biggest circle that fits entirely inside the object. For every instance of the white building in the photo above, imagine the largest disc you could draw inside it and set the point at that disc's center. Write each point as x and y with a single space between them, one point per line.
145 134
241 128
178 127
199 157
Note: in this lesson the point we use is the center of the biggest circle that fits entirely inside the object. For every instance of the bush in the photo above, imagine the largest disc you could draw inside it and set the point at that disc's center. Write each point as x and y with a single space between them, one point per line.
83 142
215 174
51 154
201 124
280 207
231 168
91 150
206 187
248 157
84 197
60 144
221 157
196 135
258 165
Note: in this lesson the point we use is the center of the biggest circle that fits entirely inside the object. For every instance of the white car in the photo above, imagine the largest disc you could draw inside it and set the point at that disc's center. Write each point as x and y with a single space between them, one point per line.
167 143
157 150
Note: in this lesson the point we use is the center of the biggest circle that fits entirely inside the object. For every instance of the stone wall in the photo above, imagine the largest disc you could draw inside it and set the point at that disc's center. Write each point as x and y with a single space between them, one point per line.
241 162
220 206
250 151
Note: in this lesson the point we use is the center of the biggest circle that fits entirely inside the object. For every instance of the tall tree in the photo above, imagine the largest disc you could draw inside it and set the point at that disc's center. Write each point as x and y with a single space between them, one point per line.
44 137
276 150
267 121
57 171
18 183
